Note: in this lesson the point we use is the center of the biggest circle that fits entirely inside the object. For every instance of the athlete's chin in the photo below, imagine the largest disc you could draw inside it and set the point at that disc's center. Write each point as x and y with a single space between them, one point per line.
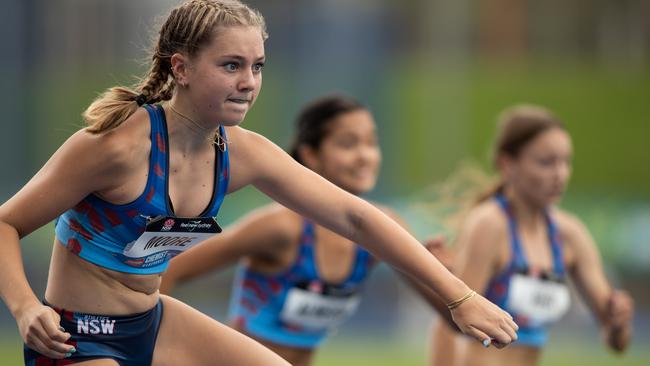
554 200
550 199
233 119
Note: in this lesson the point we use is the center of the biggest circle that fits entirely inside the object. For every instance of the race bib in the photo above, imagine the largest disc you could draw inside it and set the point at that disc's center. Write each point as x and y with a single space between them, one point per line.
165 237
541 301
319 306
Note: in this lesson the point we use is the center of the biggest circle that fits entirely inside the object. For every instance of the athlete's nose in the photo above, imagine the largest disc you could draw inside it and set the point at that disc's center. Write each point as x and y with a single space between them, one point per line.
368 154
247 81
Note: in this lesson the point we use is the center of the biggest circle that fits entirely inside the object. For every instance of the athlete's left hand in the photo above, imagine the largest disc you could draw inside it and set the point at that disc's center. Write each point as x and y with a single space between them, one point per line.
617 325
486 322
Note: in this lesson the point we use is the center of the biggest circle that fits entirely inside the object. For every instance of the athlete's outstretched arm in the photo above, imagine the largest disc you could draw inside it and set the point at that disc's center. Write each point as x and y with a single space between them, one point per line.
613 308
84 164
261 233
276 174
432 297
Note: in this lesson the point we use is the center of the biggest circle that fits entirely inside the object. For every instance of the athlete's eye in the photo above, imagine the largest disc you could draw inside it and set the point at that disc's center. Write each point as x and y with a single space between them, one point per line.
231 66
546 161
347 142
258 67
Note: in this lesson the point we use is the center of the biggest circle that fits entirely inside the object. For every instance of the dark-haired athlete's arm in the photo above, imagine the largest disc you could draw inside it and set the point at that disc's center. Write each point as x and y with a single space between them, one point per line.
262 233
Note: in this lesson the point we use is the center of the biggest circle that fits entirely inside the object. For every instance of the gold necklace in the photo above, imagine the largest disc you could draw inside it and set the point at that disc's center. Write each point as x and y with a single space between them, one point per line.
217 140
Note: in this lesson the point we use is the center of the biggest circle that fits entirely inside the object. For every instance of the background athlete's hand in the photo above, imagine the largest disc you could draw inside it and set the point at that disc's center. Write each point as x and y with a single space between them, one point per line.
437 246
484 321
617 325
40 328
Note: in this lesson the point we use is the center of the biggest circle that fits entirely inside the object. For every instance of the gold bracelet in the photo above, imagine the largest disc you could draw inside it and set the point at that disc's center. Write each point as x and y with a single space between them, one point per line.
454 304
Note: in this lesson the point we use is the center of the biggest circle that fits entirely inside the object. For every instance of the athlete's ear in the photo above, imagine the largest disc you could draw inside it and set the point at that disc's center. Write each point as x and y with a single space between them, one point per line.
180 68
505 164
309 156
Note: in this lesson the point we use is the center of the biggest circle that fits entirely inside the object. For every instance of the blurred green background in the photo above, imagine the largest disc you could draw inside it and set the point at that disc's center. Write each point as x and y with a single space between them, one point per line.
435 74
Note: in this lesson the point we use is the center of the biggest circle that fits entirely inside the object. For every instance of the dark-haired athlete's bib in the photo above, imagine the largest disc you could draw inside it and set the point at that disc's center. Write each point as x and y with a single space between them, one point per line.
296 308
317 305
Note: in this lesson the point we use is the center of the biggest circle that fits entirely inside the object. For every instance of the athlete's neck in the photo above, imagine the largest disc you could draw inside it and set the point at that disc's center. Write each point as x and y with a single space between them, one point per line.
527 214
186 130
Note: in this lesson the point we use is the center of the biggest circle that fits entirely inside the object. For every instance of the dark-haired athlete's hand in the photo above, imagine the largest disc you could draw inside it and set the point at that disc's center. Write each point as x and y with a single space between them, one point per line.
486 322
617 326
40 328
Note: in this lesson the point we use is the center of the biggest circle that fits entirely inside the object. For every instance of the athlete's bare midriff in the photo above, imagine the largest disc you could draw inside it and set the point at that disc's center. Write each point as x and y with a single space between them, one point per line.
78 285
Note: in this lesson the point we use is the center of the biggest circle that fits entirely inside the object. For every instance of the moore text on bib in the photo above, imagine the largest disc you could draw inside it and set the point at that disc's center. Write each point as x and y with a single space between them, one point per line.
166 237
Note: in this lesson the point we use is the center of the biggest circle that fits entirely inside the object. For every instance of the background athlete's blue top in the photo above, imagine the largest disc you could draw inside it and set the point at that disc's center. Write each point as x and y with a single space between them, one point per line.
98 231
258 299
498 289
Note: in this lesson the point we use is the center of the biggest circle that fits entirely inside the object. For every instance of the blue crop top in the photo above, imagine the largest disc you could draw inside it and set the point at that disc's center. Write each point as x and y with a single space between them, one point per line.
544 296
100 232
296 308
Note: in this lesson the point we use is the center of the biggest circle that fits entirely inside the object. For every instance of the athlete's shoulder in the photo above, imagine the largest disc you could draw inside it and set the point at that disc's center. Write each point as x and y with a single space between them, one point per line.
571 228
487 216
246 142
241 135
277 221
484 233
119 148
246 145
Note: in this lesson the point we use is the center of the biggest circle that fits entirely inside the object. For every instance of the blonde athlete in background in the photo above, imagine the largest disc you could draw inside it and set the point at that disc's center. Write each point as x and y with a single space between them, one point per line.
297 280
144 181
518 248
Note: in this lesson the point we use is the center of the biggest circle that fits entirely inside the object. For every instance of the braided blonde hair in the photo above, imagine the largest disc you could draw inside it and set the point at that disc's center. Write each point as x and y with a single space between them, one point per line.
187 29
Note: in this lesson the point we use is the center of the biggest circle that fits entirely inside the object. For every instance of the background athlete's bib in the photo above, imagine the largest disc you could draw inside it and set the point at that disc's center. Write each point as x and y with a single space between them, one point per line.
318 310
541 301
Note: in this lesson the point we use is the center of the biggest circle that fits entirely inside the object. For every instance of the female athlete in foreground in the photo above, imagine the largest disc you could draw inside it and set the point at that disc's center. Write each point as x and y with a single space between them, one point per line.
144 182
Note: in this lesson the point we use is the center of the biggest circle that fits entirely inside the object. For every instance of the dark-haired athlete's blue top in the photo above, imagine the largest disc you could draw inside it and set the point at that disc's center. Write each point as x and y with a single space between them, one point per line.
296 308
535 299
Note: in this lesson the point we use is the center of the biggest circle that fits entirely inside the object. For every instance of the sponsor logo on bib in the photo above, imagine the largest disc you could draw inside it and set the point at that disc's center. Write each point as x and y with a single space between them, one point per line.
169 223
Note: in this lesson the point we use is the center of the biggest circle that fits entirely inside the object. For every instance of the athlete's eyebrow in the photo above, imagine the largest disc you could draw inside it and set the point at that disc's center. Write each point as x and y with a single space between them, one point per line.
242 58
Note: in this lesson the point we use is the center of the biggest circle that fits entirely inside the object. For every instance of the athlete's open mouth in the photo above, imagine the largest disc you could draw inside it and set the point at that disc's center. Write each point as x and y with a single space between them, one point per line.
238 100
